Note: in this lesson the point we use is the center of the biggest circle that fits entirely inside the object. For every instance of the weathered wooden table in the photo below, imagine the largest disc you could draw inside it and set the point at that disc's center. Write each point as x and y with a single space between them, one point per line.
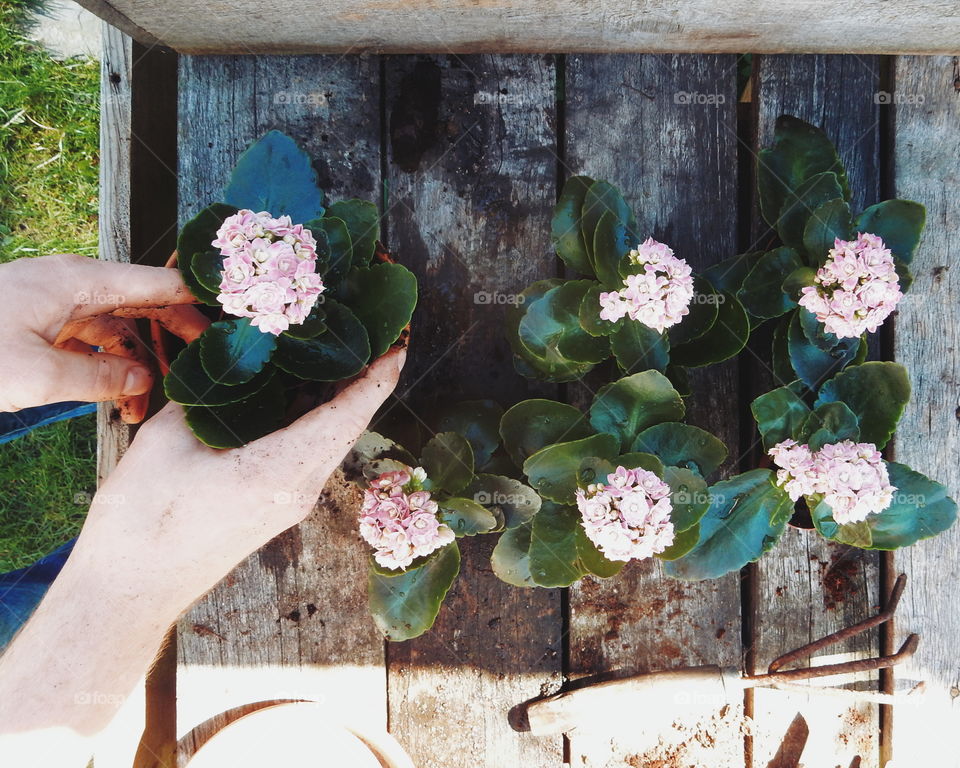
465 154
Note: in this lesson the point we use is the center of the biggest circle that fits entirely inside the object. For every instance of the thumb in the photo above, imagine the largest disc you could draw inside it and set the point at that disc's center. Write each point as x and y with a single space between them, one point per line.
328 431
96 376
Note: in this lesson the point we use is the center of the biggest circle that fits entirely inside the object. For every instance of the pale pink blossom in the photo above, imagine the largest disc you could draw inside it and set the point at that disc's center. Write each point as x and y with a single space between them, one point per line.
400 520
856 289
269 270
850 477
628 518
659 296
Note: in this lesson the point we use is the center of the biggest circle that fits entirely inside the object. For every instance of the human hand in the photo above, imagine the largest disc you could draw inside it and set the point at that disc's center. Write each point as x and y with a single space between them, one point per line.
175 516
56 307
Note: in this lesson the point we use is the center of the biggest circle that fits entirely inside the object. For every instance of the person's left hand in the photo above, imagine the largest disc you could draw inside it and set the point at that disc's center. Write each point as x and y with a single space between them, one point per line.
57 308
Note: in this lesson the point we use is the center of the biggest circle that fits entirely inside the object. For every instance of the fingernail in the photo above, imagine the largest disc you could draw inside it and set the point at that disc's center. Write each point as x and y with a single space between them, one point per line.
137 381
401 358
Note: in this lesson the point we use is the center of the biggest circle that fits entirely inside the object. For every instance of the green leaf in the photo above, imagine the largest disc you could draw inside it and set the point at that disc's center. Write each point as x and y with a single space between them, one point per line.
831 220
702 314
828 424
314 325
188 383
466 517
802 202
406 605
628 406
553 470
338 353
746 517
511 557
876 392
525 362
510 500
339 249
725 339
196 237
448 460
383 298
589 313
554 559
275 175
593 560
208 269
780 352
362 220
818 335
682 445
236 424
550 329
234 351
476 420
779 414
638 459
638 347
899 222
728 275
812 363
688 496
762 292
921 509
566 231
612 241
798 280
601 198
799 151
533 424
683 542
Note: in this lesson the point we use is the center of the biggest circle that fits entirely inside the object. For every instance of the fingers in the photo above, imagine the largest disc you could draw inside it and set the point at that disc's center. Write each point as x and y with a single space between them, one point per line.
326 433
91 376
102 286
116 337
182 320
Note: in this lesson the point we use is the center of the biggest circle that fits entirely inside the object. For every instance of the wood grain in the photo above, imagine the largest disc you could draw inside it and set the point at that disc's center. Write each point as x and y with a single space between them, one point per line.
291 621
808 587
489 26
471 171
633 122
927 341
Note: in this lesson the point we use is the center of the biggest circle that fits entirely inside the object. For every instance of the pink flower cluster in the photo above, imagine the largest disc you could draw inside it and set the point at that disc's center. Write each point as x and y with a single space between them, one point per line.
856 289
659 296
269 270
851 477
399 519
628 518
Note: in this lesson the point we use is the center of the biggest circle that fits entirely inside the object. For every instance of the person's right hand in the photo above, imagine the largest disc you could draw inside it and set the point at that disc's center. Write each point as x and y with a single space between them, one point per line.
175 516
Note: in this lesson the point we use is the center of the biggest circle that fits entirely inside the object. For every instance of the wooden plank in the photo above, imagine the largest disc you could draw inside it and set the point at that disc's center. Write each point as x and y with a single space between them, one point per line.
638 122
291 621
465 26
927 341
471 169
808 587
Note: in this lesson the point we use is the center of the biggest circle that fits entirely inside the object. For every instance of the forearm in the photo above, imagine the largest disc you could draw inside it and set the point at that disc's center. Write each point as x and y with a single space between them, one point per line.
68 671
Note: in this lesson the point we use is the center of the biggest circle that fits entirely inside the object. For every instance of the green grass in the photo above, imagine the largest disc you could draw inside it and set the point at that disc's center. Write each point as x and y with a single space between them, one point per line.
49 144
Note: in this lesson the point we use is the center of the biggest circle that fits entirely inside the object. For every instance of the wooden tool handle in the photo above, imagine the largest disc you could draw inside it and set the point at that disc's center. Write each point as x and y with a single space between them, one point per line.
667 694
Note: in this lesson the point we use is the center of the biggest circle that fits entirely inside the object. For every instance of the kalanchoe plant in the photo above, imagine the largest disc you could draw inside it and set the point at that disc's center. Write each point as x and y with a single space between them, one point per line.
625 481
638 301
830 276
299 292
414 509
